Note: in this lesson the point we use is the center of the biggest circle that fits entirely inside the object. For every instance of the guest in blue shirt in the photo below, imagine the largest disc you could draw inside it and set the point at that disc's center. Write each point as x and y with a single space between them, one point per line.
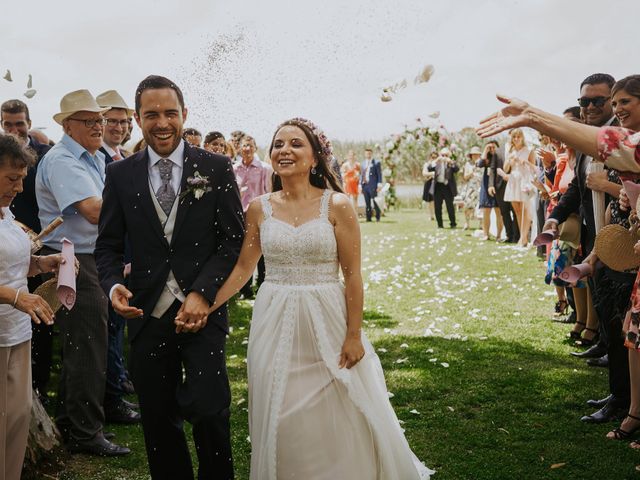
69 183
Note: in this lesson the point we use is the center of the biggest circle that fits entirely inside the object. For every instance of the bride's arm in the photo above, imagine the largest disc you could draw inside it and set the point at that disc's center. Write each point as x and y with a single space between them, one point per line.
250 253
347 231
249 256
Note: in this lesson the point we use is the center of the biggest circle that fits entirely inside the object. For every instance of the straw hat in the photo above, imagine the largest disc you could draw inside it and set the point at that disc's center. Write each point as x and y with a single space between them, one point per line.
614 247
112 99
78 101
475 150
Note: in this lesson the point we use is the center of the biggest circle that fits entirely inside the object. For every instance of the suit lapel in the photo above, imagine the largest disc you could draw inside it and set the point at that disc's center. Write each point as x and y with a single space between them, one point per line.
188 169
141 187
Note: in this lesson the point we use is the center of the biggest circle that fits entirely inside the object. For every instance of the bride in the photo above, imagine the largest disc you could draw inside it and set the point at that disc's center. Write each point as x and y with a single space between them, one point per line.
318 403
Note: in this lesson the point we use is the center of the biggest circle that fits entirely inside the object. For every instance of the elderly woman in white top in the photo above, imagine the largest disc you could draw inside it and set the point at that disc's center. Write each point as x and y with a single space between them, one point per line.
17 308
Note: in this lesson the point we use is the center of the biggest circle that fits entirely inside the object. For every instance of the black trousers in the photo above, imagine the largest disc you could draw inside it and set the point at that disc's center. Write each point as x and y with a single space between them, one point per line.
183 377
369 198
442 192
83 334
611 302
508 216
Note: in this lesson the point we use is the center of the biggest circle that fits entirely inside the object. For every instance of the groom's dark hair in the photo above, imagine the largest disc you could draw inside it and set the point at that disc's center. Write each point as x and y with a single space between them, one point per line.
155 82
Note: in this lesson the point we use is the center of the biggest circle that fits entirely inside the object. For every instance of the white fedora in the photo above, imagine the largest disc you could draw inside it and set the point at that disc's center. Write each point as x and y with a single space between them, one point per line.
78 101
112 99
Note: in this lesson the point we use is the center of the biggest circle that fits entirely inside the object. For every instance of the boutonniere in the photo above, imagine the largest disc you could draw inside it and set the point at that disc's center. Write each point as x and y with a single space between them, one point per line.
198 185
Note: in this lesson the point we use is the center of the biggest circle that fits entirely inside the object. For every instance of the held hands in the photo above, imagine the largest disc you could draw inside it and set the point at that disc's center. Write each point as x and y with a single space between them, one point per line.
352 351
597 181
193 313
512 116
38 309
120 302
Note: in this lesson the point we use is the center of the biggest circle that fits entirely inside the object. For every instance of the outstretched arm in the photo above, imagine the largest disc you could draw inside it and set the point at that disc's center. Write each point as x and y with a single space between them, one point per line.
518 113
347 231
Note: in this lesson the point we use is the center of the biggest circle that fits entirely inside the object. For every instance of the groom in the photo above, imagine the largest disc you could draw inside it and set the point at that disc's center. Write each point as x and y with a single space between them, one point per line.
180 209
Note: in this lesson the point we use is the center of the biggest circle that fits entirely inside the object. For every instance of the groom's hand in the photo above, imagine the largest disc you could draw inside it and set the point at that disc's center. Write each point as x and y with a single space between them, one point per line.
193 313
120 303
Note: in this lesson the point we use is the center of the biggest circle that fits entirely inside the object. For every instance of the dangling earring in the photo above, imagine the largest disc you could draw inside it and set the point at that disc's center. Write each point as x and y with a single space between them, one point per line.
313 171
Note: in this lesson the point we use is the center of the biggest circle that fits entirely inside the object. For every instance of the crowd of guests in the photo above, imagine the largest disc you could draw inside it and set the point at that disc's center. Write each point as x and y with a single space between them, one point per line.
587 154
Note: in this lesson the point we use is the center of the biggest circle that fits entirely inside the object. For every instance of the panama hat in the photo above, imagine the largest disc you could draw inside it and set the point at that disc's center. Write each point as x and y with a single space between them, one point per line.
475 150
112 99
78 101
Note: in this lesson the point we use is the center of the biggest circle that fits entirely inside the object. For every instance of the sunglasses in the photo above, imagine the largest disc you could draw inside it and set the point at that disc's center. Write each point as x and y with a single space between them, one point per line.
596 101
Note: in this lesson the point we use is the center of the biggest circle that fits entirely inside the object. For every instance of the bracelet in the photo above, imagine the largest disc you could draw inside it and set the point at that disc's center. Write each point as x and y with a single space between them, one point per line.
37 257
15 300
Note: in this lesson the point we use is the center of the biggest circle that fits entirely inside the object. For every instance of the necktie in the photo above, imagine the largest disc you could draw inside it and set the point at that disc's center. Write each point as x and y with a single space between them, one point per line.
117 156
165 194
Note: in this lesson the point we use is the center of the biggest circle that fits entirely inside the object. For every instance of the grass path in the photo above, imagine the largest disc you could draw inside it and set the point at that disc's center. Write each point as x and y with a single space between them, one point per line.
480 376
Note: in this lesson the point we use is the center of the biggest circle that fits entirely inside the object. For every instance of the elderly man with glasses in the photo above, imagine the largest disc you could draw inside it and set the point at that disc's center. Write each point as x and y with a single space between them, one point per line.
69 183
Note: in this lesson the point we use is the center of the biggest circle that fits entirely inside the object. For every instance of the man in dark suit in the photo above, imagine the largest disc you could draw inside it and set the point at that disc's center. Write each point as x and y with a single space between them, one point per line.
185 240
371 182
16 121
596 110
444 187
116 408
497 186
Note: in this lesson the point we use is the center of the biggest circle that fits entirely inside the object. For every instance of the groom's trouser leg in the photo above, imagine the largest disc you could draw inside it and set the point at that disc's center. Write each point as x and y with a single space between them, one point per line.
157 374
205 396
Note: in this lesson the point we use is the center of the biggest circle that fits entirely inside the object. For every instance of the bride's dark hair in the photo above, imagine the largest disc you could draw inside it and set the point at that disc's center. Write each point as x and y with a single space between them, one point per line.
322 152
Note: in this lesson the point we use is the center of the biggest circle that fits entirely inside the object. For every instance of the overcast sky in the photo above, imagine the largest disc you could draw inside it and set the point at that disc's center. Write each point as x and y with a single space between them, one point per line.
251 64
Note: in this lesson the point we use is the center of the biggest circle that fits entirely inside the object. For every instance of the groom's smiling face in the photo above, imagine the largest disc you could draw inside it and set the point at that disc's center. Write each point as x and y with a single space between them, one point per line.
161 119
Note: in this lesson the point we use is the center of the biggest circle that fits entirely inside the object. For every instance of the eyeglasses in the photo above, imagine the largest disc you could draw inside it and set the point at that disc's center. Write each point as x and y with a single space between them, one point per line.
91 122
598 102
112 122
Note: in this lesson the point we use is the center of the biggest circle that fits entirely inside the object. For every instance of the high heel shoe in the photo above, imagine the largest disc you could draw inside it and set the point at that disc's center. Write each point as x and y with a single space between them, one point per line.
561 308
620 434
588 342
573 335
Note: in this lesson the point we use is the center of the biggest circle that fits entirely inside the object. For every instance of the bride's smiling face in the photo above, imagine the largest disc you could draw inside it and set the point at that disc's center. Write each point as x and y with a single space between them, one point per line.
291 153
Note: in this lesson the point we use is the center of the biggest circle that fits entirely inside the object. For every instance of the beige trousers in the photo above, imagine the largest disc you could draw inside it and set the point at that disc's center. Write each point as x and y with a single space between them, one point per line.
15 408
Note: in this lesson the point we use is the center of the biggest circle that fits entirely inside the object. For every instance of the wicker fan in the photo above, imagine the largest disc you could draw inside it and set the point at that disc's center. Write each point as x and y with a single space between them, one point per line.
48 293
614 247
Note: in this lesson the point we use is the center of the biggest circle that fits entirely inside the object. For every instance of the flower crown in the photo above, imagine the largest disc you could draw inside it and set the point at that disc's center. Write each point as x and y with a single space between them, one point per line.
326 149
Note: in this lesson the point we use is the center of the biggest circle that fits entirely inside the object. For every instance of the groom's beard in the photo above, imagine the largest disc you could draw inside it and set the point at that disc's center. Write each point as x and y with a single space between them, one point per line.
160 146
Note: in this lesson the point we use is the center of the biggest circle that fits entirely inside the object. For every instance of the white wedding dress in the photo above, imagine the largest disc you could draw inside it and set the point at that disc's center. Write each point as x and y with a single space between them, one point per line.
308 419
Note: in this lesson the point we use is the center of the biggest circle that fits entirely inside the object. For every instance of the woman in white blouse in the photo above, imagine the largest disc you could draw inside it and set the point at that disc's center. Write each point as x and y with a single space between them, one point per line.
17 308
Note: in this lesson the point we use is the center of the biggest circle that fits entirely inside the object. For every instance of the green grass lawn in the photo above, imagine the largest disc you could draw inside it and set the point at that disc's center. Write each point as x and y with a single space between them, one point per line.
481 377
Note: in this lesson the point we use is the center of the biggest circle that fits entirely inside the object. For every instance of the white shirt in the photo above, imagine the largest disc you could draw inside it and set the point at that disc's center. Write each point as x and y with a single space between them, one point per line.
15 258
176 157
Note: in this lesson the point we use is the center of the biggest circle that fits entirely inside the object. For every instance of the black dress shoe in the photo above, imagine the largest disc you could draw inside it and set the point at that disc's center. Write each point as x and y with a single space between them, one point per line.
127 387
98 446
603 361
108 435
595 351
599 403
121 413
613 410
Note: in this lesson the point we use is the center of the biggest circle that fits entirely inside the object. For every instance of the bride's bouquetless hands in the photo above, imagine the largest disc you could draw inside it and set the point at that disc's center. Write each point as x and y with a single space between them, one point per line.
352 352
193 313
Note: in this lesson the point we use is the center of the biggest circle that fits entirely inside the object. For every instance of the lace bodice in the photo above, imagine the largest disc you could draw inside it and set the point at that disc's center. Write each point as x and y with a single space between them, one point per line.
302 255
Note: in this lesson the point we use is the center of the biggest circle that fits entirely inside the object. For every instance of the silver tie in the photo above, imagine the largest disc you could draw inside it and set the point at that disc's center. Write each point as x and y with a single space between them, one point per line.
166 195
